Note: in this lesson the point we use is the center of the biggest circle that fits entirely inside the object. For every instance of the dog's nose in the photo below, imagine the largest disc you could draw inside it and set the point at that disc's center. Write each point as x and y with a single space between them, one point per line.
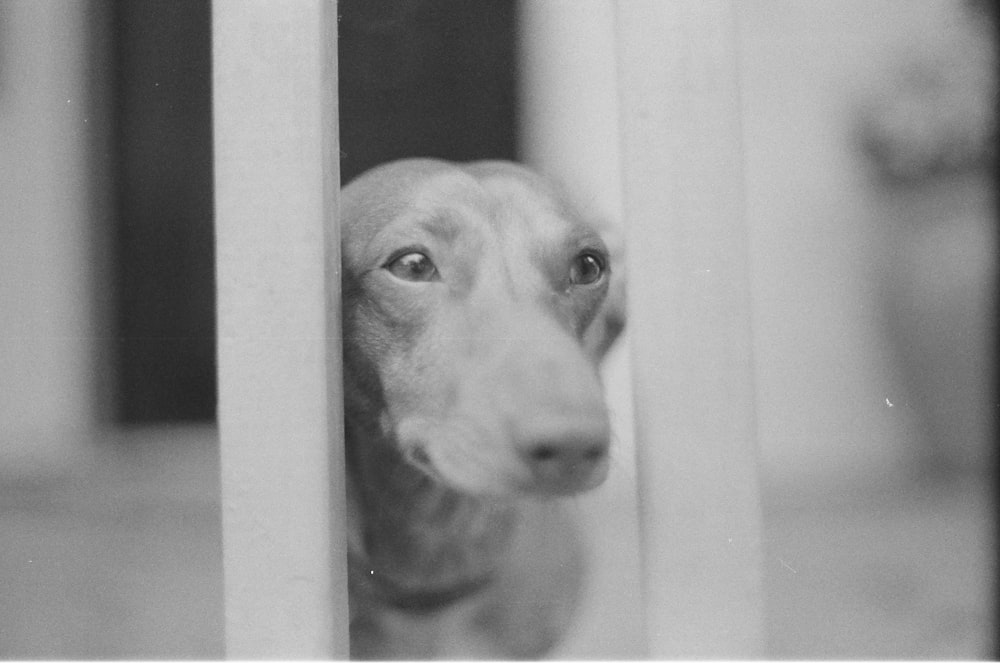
568 462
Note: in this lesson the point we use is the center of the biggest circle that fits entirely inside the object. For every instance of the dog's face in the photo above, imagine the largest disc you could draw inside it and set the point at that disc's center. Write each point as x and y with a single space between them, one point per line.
467 295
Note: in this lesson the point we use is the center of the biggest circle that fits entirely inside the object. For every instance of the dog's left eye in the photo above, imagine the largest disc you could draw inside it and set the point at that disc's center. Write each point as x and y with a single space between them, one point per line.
412 266
586 269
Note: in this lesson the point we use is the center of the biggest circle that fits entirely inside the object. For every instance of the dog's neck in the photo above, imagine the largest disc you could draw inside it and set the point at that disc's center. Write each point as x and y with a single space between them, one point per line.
417 542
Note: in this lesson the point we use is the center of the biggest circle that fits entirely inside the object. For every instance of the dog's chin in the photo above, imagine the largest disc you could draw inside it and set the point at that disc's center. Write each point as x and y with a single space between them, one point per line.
476 462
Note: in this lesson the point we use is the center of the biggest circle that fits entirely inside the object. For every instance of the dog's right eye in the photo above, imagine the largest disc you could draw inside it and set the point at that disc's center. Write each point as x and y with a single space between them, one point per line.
586 269
412 266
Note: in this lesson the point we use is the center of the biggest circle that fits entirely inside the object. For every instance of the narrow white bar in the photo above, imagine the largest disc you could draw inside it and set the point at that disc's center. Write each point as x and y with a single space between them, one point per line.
568 102
689 316
569 130
280 412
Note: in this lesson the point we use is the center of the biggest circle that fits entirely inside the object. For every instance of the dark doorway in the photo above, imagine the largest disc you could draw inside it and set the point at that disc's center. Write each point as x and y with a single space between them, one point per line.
432 78
165 292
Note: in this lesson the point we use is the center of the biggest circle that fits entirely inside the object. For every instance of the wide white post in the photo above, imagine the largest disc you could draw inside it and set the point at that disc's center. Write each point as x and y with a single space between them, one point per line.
689 317
280 407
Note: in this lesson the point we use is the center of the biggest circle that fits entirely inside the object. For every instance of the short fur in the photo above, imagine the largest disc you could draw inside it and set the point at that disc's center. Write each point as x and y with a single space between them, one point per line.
473 404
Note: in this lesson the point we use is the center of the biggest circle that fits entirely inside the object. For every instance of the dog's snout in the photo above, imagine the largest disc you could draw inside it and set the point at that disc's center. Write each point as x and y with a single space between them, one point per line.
567 462
550 407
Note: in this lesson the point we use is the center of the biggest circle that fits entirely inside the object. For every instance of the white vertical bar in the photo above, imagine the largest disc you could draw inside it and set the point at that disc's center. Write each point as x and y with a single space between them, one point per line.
690 319
280 419
568 102
569 130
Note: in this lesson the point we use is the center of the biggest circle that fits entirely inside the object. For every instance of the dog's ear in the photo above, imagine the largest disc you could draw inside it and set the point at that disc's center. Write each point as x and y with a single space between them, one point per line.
610 319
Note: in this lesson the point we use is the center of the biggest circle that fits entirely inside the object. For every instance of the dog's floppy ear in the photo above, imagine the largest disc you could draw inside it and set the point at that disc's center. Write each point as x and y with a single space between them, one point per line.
610 319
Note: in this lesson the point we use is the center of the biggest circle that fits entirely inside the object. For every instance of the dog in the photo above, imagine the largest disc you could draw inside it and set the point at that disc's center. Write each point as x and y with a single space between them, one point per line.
477 302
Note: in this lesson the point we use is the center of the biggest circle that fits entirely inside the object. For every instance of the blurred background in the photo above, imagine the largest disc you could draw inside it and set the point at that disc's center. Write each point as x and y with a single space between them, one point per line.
869 136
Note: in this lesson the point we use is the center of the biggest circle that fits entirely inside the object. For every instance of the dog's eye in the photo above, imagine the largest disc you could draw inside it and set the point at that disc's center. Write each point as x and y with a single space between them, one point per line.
412 266
586 269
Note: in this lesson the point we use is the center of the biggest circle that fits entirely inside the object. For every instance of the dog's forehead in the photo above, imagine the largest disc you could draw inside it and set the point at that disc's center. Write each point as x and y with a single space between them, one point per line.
508 203
456 203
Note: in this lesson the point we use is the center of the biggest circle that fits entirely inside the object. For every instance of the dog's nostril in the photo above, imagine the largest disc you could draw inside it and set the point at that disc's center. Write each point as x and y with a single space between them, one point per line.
544 452
419 456
566 465
550 452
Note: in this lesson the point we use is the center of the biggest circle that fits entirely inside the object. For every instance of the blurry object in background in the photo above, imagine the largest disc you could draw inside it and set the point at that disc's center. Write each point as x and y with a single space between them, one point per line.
432 78
936 114
164 284
930 138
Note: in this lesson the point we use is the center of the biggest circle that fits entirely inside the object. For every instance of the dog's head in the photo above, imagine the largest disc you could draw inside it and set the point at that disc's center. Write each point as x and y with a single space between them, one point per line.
474 310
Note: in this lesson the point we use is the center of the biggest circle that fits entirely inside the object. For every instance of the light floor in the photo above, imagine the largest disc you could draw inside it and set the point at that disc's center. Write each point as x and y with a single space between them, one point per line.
120 557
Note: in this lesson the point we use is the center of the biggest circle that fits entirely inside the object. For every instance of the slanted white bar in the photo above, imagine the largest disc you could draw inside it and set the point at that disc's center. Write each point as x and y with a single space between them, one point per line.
280 412
689 316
